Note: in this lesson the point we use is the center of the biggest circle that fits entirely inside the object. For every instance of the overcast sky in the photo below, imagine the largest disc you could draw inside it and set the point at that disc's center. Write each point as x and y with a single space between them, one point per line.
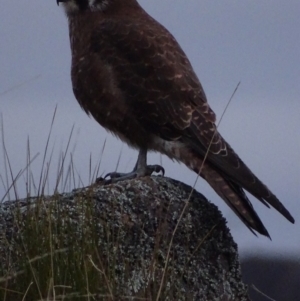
252 42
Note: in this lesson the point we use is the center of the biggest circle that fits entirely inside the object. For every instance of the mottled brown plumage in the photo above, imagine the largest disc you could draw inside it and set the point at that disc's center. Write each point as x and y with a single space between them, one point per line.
131 75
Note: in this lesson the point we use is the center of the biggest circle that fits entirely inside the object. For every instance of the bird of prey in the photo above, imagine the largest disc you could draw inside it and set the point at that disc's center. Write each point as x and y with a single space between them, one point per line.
132 76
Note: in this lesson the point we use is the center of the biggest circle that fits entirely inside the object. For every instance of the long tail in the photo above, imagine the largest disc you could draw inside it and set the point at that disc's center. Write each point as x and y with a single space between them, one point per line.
235 198
239 173
229 180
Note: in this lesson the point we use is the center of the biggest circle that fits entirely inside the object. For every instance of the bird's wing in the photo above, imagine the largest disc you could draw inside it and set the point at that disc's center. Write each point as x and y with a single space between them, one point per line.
165 95
156 78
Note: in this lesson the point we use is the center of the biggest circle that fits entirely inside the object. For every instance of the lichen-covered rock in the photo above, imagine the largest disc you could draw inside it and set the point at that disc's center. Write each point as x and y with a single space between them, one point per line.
151 238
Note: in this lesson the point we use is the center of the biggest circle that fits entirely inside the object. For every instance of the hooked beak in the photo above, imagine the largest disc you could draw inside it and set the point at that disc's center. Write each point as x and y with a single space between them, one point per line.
57 1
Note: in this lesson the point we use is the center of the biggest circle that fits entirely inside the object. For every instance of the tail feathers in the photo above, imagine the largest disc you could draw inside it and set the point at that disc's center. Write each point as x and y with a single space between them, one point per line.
268 199
238 172
236 199
229 181
251 183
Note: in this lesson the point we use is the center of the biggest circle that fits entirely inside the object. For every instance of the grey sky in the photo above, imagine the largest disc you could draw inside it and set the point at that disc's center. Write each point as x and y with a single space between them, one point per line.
255 42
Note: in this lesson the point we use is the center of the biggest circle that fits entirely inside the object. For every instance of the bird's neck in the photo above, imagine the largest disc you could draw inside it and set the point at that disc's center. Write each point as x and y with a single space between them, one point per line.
80 33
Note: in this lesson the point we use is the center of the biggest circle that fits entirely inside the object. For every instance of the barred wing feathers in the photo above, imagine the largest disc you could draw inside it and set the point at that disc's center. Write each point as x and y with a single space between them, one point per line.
164 94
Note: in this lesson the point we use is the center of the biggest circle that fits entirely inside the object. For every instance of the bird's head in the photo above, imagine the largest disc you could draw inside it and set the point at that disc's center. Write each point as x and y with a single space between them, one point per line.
74 6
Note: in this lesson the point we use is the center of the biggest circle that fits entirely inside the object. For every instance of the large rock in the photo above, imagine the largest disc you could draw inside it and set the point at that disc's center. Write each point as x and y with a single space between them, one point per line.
151 238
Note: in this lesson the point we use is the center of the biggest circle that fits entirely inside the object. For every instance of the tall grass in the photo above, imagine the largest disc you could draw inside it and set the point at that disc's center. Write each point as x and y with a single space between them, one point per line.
44 259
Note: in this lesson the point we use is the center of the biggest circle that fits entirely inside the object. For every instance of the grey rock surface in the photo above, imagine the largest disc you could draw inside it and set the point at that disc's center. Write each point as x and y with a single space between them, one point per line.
158 239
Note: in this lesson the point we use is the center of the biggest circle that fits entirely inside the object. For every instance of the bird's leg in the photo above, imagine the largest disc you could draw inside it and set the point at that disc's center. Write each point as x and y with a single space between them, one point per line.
141 169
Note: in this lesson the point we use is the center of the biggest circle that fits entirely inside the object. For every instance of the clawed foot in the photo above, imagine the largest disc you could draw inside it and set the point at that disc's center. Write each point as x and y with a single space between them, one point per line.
142 172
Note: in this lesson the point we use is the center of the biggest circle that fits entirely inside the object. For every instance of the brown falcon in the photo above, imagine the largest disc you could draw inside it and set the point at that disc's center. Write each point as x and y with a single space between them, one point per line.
131 75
